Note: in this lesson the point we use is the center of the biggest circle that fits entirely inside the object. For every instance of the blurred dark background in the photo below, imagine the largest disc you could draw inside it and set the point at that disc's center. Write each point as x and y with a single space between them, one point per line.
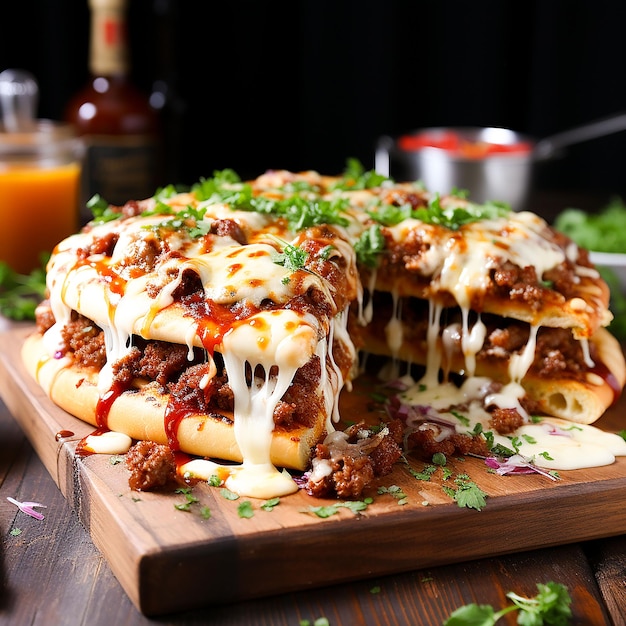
306 84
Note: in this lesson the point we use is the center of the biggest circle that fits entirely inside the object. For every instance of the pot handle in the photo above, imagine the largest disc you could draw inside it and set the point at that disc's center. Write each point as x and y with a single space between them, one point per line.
549 146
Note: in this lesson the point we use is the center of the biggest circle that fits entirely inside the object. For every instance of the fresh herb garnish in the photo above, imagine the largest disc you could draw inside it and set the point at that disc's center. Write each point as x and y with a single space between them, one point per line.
454 217
245 510
208 188
21 293
467 493
550 607
356 506
291 258
355 177
189 499
228 494
189 219
369 246
396 492
299 211
270 504
603 231
101 210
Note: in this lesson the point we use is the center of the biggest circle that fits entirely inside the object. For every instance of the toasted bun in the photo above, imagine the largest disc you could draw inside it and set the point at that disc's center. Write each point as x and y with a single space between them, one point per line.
140 413
584 401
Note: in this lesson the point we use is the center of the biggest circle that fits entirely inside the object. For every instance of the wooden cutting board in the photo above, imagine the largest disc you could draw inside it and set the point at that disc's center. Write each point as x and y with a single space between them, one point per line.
169 560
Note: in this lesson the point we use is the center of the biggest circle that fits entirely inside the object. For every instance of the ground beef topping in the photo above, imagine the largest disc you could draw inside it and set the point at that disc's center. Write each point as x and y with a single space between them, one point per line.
152 466
347 462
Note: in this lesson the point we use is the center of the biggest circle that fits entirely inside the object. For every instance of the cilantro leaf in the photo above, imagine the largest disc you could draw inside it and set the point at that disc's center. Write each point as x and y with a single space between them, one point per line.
550 607
369 246
245 510
468 494
291 258
189 219
456 216
101 210
21 293
355 177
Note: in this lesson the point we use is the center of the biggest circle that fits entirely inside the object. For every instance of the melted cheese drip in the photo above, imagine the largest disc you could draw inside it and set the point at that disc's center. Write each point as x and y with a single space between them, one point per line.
552 443
271 344
110 442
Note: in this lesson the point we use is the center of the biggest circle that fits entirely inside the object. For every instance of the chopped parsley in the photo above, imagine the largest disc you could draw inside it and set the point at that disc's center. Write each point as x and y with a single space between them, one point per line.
245 510
21 293
465 492
396 492
355 177
356 506
457 216
551 606
228 494
189 499
188 219
369 246
270 504
101 210
291 258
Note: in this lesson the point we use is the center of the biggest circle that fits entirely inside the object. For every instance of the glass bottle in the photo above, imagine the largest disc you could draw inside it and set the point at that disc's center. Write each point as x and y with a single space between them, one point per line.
118 126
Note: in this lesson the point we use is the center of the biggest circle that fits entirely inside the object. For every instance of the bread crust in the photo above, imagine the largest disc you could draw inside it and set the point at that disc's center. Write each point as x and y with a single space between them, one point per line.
140 414
581 401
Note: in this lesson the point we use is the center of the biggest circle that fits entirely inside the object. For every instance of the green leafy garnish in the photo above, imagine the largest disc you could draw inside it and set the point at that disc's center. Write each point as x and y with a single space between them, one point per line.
320 621
550 607
299 211
291 258
396 492
355 177
189 499
21 293
369 246
228 494
101 210
189 219
245 509
356 506
604 231
270 504
467 493
456 216
208 188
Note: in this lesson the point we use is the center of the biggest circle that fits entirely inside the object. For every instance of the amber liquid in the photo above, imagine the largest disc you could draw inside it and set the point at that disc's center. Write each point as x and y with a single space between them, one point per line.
121 133
37 210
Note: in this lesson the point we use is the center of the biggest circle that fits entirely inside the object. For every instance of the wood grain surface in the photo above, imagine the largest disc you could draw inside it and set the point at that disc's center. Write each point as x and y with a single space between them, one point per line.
170 561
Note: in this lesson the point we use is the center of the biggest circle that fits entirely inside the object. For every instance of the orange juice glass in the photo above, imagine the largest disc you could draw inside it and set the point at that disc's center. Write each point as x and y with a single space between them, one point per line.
39 192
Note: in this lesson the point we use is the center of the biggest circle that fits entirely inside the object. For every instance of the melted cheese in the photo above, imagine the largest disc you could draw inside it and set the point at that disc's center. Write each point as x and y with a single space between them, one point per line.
109 442
551 443
263 352
270 344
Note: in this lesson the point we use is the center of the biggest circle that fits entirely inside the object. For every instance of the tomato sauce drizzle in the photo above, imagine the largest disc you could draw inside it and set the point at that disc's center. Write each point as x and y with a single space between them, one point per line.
105 402
213 322
174 415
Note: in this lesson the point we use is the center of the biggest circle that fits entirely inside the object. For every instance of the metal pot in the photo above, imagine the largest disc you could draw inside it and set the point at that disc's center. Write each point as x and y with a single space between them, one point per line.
503 175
